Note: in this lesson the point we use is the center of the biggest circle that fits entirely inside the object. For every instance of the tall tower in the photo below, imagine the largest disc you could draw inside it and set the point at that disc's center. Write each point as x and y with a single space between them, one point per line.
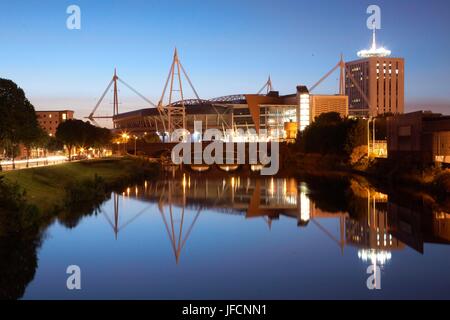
381 82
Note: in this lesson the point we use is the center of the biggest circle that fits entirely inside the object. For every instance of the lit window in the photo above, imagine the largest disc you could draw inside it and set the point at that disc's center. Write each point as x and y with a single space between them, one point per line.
64 116
304 111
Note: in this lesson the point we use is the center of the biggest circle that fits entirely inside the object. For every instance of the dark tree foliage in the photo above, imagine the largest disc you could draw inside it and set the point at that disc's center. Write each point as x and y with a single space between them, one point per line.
19 239
330 134
18 122
53 144
77 133
152 138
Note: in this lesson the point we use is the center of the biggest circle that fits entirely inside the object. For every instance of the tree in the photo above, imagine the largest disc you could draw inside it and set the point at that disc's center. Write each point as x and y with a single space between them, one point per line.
100 137
331 134
76 133
152 138
36 138
70 133
18 122
54 144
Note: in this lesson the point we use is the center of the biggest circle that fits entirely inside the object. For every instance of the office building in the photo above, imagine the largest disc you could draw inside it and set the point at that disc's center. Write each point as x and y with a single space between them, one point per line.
375 84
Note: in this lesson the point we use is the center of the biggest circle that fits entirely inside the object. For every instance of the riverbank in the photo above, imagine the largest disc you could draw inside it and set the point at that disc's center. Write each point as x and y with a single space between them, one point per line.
433 180
51 189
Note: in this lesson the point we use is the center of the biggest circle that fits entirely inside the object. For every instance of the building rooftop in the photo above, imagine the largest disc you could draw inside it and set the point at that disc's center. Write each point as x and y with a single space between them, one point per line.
374 51
61 110
206 108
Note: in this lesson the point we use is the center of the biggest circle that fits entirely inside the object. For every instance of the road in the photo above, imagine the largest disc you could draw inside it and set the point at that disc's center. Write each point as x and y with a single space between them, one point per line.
32 163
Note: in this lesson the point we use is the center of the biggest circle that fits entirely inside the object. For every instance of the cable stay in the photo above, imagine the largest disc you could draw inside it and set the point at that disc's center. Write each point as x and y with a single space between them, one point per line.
115 225
267 88
340 65
174 114
176 236
344 71
114 84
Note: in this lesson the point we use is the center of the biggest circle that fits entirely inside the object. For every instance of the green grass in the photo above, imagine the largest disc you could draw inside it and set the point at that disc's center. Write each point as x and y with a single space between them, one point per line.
45 186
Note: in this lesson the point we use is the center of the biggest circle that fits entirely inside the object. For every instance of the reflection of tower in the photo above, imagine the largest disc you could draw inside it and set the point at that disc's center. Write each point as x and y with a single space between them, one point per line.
117 228
116 214
371 230
370 233
168 199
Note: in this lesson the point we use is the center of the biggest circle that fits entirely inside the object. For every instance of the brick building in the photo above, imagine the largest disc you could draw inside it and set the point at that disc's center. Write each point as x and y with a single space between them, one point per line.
50 120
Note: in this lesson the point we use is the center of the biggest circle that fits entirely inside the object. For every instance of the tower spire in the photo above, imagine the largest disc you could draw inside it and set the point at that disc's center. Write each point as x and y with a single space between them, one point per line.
374 39
374 51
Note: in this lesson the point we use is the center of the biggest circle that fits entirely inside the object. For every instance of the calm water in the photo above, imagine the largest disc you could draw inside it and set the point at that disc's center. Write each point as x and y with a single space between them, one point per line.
238 238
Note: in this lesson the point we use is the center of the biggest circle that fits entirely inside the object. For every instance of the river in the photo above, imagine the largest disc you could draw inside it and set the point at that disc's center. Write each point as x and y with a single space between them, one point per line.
243 238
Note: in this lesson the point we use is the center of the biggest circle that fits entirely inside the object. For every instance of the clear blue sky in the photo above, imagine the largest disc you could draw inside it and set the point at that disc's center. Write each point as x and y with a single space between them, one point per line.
226 46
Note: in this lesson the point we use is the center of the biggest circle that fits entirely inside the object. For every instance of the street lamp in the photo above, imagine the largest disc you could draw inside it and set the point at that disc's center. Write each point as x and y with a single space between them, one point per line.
368 137
373 120
125 137
135 145
374 135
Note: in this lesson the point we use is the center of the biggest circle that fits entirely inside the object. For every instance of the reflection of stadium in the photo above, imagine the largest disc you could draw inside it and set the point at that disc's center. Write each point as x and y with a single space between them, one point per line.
378 230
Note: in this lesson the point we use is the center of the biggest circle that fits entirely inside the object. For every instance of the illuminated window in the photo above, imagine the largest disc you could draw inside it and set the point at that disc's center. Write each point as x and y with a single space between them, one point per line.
64 116
304 111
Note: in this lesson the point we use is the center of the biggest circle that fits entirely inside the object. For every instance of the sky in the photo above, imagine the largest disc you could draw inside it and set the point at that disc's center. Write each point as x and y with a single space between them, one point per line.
227 47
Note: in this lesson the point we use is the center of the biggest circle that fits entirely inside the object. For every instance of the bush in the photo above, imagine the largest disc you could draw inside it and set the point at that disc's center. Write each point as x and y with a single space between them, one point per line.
330 134
15 213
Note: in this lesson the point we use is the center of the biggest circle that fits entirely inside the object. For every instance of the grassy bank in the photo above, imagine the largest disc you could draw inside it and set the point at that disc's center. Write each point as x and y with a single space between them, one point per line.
48 188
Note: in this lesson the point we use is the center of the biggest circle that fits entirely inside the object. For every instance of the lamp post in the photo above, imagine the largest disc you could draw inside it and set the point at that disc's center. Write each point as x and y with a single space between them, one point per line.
125 137
374 134
135 145
368 138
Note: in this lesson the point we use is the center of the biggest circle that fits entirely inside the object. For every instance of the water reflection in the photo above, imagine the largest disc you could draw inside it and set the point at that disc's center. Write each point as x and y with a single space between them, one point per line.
192 229
366 218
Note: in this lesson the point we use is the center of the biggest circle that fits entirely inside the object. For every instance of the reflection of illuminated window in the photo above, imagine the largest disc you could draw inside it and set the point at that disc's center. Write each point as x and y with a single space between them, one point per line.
305 206
374 256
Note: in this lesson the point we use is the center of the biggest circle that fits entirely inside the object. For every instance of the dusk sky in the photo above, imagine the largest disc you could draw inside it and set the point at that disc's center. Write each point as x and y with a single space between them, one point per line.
227 47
